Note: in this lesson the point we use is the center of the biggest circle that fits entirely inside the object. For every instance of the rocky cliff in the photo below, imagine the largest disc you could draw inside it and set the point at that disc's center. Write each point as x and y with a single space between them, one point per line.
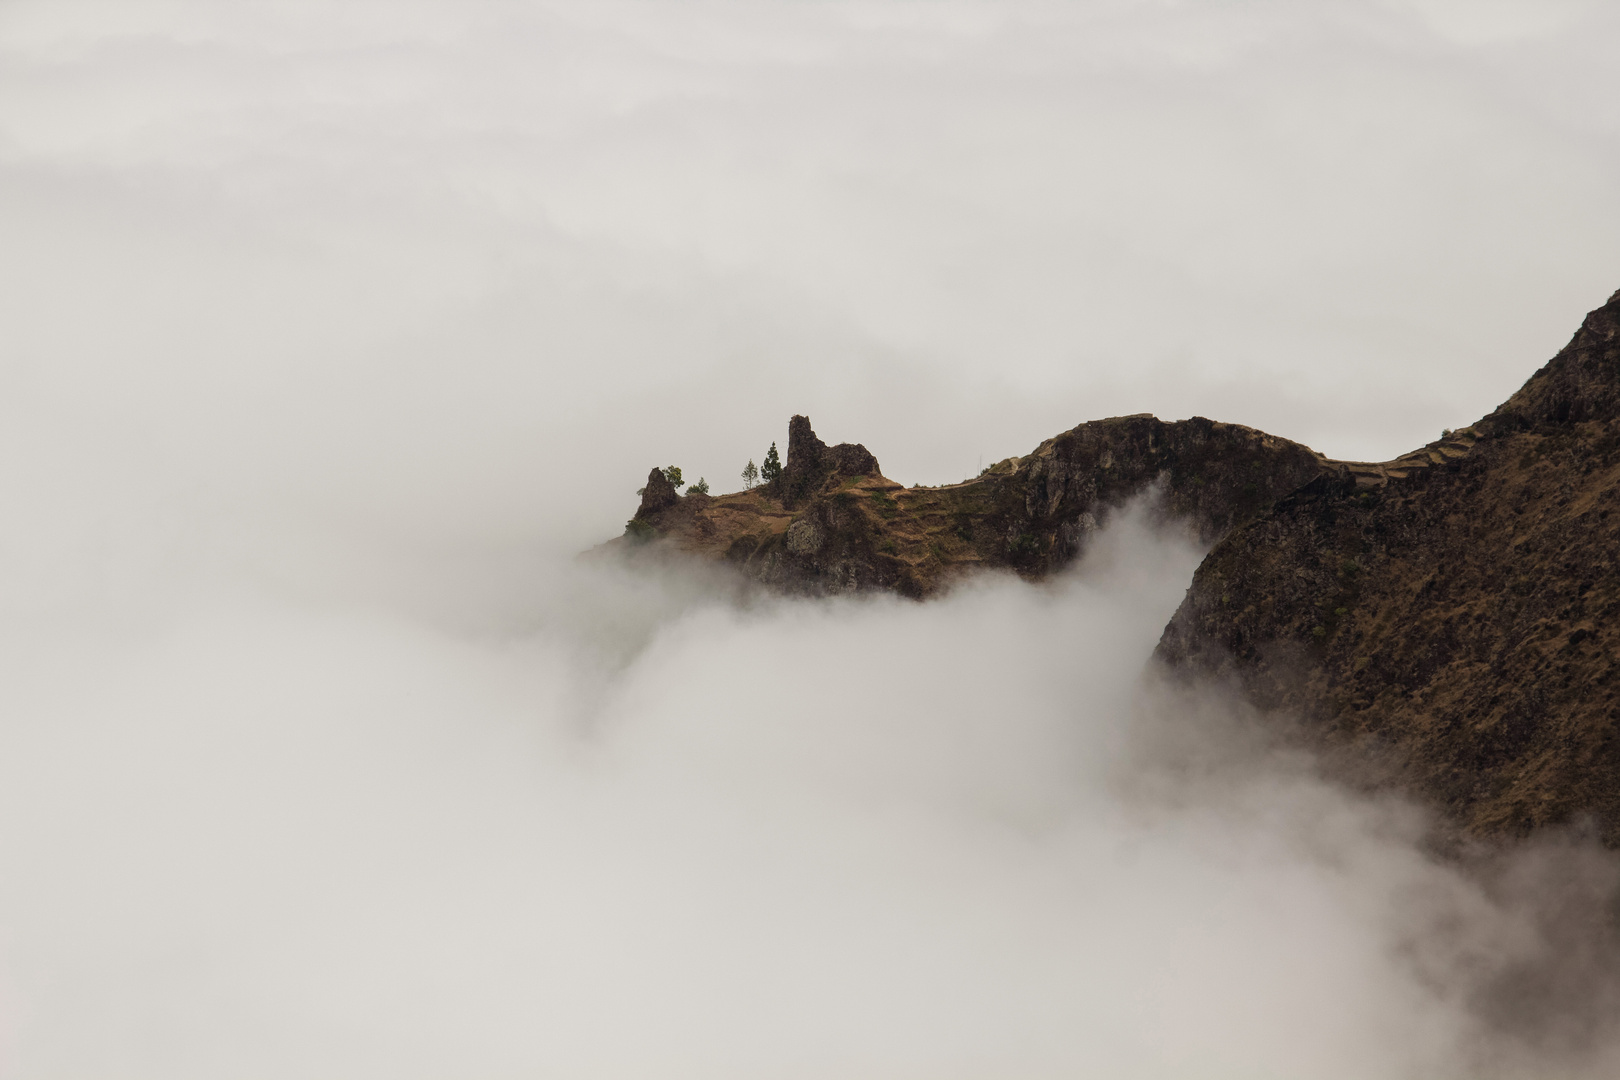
1447 621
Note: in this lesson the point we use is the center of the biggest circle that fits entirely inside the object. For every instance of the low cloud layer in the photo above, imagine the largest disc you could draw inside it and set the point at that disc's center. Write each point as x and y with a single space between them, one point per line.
660 833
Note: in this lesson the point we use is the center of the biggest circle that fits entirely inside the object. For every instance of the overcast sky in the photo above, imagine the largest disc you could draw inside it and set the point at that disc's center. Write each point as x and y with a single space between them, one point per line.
497 259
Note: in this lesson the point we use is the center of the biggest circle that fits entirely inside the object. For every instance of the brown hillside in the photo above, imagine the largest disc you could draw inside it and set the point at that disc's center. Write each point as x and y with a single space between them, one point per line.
1449 623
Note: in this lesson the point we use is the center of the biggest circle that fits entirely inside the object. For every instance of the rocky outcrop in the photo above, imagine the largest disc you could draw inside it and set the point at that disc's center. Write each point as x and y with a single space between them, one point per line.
659 495
811 462
1447 622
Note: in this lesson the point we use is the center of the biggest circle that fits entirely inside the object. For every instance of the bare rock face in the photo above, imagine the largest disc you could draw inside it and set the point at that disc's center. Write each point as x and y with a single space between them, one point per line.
1448 621
853 459
805 449
658 495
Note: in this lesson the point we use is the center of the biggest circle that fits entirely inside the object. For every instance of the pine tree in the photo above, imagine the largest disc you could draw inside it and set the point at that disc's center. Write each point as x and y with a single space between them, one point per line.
701 487
750 475
672 473
772 469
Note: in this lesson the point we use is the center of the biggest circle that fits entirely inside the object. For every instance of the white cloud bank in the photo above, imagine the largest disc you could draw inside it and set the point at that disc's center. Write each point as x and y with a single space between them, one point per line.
656 836
327 335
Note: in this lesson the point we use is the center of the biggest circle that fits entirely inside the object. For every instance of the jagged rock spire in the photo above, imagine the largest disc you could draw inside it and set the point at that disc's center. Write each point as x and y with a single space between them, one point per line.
810 461
659 494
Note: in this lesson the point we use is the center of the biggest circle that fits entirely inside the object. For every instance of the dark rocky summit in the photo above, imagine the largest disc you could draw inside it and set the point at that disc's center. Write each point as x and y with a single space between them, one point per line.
1443 621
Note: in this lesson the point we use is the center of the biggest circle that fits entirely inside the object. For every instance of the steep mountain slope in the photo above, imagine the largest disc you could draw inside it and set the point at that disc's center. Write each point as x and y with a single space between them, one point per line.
1450 624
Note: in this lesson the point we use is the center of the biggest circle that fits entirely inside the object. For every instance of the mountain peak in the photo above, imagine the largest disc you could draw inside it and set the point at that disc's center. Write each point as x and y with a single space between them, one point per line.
1581 383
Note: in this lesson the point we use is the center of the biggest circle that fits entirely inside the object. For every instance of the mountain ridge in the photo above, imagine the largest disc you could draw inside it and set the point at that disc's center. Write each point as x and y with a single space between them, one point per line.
1439 622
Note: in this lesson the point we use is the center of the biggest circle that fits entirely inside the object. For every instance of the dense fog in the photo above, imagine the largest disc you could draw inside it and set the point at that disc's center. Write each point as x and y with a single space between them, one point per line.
329 338
670 828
